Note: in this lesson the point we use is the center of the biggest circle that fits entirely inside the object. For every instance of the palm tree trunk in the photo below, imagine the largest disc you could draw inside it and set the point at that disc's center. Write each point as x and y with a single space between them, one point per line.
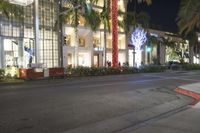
191 53
114 33
76 45
76 40
105 46
198 52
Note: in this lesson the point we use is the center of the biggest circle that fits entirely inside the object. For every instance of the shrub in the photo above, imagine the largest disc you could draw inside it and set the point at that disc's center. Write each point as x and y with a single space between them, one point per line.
129 70
98 71
113 71
2 73
191 66
94 71
152 68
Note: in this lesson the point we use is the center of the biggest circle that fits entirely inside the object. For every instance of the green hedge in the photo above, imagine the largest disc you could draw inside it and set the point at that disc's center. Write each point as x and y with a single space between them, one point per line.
191 66
152 68
98 71
93 71
2 74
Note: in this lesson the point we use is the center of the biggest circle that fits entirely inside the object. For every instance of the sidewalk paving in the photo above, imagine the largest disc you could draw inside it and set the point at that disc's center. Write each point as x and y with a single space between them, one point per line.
185 121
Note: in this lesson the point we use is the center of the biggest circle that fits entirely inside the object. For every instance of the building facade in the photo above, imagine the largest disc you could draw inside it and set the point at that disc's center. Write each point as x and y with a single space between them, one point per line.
31 38
91 48
159 51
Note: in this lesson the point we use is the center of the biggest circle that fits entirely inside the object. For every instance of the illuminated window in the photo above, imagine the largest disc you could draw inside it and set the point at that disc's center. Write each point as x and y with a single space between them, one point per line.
81 42
21 2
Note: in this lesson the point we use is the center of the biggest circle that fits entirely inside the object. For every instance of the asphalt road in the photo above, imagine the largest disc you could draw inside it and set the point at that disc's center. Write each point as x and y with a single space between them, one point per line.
106 104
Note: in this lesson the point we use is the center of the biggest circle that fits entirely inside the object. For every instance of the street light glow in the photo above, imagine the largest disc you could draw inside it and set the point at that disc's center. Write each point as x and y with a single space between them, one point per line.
21 2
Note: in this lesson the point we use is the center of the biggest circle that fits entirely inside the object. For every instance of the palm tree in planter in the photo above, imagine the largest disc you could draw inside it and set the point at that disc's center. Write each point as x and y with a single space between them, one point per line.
73 11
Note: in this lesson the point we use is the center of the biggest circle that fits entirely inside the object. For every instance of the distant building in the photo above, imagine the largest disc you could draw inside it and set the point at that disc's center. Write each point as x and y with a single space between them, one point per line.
158 52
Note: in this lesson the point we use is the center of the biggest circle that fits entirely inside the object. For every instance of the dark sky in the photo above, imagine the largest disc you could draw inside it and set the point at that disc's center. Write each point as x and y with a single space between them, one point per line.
163 13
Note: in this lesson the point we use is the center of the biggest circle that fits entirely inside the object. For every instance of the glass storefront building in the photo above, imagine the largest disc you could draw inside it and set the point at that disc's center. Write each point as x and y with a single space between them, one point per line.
17 37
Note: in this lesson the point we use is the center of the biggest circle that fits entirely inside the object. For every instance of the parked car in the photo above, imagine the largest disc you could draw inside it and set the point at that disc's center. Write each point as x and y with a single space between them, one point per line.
174 65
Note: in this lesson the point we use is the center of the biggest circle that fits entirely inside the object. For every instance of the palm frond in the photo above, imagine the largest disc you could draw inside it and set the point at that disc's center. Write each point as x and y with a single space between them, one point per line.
149 2
7 8
188 16
93 20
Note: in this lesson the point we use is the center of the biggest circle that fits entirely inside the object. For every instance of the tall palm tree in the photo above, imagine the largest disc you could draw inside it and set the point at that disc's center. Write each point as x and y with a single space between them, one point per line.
189 16
73 11
115 28
114 15
105 18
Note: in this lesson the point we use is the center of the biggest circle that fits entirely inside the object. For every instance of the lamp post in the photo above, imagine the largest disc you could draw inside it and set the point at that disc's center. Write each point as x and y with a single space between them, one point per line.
133 57
36 22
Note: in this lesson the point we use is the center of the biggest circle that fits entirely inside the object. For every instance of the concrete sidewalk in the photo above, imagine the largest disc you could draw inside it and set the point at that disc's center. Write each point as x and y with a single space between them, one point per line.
184 121
192 90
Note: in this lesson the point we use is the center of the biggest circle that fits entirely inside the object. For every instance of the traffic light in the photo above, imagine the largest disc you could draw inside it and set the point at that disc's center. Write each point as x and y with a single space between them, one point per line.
65 40
149 48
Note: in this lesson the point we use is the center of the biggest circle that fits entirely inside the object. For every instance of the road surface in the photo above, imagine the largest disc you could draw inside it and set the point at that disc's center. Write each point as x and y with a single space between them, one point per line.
140 103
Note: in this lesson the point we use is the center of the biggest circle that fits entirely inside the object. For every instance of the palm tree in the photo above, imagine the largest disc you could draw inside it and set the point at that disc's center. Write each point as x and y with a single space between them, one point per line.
73 11
189 16
7 8
188 21
193 45
114 15
105 18
132 19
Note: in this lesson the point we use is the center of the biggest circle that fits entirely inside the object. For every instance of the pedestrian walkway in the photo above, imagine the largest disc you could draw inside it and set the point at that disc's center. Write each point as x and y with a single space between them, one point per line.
192 90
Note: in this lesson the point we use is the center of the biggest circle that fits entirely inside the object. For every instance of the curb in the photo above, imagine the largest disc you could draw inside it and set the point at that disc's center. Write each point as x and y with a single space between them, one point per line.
189 93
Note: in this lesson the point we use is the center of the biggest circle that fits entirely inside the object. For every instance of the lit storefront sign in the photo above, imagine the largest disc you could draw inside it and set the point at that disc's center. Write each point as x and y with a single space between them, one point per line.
21 2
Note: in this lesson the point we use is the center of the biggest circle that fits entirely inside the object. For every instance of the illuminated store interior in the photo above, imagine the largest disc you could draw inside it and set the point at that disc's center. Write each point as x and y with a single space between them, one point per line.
18 36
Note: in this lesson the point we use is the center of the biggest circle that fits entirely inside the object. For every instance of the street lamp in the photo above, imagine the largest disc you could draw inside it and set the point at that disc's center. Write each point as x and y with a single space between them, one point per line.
21 2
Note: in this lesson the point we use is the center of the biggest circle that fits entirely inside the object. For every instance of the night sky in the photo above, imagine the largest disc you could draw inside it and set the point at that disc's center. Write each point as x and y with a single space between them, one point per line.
163 13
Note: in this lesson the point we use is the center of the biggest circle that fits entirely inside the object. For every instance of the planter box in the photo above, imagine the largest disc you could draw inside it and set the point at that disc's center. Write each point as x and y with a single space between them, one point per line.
31 73
56 72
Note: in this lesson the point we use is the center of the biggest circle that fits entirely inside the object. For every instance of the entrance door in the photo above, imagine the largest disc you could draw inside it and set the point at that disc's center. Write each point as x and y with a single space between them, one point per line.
69 60
96 60
11 53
